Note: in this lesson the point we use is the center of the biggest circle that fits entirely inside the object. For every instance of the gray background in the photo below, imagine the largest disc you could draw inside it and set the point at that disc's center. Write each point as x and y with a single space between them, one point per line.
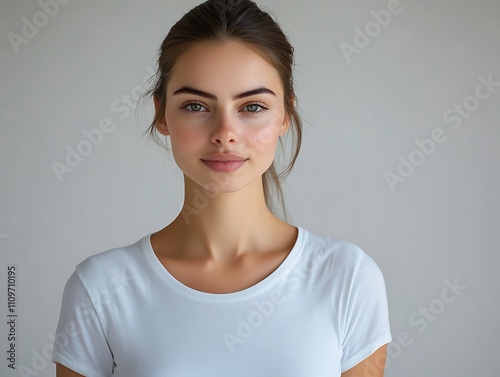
440 224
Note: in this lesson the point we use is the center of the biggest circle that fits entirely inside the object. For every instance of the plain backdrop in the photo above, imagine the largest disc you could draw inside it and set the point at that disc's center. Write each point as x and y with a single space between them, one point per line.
365 113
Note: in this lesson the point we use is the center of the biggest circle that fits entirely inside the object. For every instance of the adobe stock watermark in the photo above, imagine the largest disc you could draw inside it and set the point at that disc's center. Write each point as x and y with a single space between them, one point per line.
420 320
121 106
3 236
86 313
11 318
246 326
31 27
372 29
455 117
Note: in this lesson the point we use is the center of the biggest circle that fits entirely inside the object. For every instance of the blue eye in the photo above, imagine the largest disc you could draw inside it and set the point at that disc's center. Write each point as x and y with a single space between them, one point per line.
196 107
256 105
194 104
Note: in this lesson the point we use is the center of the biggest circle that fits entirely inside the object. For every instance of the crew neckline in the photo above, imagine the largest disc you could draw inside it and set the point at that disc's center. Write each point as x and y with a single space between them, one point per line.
167 277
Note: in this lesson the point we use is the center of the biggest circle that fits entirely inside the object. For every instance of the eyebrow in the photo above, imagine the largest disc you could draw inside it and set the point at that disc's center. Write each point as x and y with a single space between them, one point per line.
189 90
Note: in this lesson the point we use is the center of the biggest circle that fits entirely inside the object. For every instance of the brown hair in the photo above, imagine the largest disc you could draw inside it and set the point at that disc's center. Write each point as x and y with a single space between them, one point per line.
223 20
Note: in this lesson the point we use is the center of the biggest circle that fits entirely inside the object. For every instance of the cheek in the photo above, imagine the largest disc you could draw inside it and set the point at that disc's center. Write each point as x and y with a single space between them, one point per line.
185 143
262 140
183 135
186 137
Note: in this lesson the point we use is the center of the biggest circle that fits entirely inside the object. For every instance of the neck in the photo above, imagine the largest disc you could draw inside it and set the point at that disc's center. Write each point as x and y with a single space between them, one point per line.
224 226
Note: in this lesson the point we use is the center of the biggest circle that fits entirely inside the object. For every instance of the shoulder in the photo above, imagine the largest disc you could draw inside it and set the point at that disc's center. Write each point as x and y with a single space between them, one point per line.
333 250
342 259
111 268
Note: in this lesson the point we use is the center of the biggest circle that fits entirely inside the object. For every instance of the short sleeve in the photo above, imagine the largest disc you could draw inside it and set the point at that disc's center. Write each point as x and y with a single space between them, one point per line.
80 343
366 326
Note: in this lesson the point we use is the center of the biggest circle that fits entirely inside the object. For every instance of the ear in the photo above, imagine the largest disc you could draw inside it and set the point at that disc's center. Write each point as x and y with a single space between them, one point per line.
286 123
285 126
161 126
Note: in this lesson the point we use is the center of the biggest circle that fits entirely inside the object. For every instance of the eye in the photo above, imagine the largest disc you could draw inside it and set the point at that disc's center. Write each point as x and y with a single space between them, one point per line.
255 106
194 109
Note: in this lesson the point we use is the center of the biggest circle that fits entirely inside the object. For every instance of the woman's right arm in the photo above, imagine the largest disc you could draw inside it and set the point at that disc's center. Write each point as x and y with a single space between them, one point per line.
80 344
62 371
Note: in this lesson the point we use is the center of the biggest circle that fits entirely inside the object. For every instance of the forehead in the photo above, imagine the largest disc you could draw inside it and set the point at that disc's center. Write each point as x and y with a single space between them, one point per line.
223 68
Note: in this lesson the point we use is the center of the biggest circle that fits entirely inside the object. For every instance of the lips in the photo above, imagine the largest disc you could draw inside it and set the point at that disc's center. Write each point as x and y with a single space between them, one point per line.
224 157
224 162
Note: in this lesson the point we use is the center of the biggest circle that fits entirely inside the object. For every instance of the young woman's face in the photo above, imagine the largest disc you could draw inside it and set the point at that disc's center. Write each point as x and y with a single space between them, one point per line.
210 110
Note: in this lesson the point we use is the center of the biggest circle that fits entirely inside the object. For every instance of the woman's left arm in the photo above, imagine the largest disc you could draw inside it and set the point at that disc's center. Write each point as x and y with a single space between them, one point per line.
372 366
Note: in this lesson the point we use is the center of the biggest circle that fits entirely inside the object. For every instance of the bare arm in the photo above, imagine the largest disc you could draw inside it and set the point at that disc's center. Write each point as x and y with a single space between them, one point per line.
62 371
372 366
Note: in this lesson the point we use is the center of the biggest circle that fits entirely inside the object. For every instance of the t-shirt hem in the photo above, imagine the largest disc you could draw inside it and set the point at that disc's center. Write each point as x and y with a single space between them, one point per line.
78 368
365 352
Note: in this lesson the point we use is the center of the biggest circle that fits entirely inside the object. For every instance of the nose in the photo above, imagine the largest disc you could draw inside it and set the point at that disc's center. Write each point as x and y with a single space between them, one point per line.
225 130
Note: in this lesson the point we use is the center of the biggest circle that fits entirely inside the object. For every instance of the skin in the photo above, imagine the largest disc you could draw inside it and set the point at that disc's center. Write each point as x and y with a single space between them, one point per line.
62 371
225 238
234 221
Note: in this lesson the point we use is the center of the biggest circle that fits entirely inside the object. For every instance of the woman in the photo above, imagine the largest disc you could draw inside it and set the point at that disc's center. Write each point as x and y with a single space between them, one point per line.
227 288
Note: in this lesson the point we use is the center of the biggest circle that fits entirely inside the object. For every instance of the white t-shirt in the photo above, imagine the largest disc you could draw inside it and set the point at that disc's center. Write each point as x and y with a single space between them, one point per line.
321 312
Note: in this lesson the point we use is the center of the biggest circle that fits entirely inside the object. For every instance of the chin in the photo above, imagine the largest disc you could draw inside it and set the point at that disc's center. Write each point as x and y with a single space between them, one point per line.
224 182
220 183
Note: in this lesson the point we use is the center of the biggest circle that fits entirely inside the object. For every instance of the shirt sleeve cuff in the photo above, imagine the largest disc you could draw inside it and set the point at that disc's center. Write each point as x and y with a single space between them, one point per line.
75 366
366 351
